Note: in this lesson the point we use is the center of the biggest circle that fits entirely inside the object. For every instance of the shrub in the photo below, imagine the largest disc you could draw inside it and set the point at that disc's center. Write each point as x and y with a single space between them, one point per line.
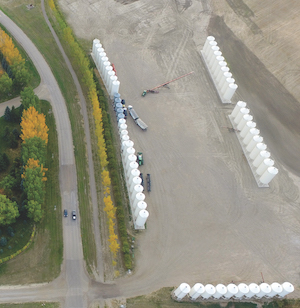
3 241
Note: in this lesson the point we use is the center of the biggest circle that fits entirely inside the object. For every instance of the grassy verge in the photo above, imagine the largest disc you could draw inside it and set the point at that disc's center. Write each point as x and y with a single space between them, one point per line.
33 24
31 305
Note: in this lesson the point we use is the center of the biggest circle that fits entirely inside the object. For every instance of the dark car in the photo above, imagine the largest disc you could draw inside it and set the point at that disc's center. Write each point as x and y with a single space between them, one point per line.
65 213
73 215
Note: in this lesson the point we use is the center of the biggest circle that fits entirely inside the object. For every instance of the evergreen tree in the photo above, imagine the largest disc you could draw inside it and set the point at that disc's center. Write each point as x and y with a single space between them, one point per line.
7 114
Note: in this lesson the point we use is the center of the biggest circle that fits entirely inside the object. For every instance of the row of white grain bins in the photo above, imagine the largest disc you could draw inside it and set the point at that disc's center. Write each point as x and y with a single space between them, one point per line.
252 142
232 291
105 68
258 157
129 159
218 69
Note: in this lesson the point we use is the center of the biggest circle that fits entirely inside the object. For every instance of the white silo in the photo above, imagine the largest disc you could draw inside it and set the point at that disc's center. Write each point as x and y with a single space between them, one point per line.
210 52
276 289
123 121
123 139
112 79
108 68
134 173
110 74
142 205
232 290
250 135
136 189
237 107
225 85
115 88
257 149
133 165
103 70
196 291
208 39
255 140
220 76
135 181
246 118
209 290
224 78
265 289
117 96
268 175
138 197
287 288
99 55
217 69
240 114
230 91
130 158
122 127
182 291
215 60
207 49
141 220
123 132
128 152
221 290
243 289
260 157
246 128
99 60
97 41
253 290
128 144
264 166
212 59
102 61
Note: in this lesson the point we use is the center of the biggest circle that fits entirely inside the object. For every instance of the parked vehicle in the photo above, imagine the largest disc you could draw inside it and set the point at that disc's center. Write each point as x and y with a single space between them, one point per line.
73 215
140 158
136 118
148 179
65 213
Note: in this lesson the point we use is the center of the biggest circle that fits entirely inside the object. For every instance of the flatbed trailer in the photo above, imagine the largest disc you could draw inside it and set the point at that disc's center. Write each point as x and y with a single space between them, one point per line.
136 118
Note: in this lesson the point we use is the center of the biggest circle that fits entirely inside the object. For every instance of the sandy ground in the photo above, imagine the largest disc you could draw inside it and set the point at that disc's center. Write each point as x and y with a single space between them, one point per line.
209 222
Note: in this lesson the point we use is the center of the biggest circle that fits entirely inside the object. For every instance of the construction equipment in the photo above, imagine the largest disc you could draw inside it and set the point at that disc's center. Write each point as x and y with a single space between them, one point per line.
164 84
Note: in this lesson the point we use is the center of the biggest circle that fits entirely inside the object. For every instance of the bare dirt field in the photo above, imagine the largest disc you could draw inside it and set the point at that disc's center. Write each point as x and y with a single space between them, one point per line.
209 222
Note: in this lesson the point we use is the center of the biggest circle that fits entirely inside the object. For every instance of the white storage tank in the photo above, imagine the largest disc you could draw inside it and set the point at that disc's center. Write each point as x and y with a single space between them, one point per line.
142 218
237 107
136 189
265 289
138 197
207 50
112 79
123 132
253 290
264 166
124 138
182 291
268 175
240 114
252 132
123 121
196 291
226 84
122 126
246 118
220 76
128 144
224 78
221 290
243 289
216 70
212 59
208 39
130 159
230 91
96 41
133 165
106 64
101 64
232 290
209 290
111 73
115 88
135 181
142 205
276 289
246 128
257 149
260 157
127 152
287 288
134 173
255 140
216 58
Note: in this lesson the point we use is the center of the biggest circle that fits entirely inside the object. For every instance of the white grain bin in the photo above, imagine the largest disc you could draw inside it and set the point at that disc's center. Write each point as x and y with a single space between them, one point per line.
124 138
196 291
265 289
110 74
122 127
287 288
117 95
246 118
210 52
121 122
232 290
112 79
237 107
230 91
130 158
133 165
123 132
105 64
207 50
128 144
142 205
210 290
276 289
215 61
253 290
255 140
240 114
101 63
99 55
115 88
141 220
118 105
117 100
136 189
243 289
208 39
268 175
108 68
182 291
134 173
97 41
217 69
221 290
128 152
120 116
260 157
257 149
224 77
264 166
138 197
212 59
135 181
226 84
99 60
250 135
246 128
220 76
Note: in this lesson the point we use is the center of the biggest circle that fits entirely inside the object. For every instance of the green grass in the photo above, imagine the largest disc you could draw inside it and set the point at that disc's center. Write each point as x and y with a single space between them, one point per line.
33 24
31 305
